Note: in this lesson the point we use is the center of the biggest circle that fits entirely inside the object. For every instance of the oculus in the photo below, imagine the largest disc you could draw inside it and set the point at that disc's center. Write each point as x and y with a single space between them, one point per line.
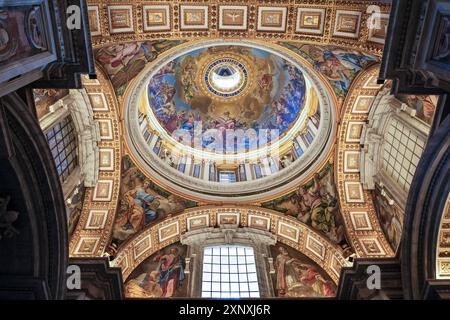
226 77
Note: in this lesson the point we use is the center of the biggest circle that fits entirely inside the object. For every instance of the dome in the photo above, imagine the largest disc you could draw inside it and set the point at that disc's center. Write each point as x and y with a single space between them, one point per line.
225 114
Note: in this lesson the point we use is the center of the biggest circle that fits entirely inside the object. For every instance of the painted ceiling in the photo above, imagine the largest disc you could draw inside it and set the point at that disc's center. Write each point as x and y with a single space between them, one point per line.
131 215
227 87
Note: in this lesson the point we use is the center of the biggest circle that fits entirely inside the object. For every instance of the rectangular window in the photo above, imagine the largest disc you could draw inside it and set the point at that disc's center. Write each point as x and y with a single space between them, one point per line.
62 140
399 157
258 171
227 176
157 147
298 150
229 272
309 137
212 172
197 168
242 173
272 165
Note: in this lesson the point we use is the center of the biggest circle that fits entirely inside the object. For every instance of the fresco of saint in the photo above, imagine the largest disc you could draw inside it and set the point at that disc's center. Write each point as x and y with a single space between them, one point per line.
316 205
339 66
390 216
123 62
171 271
161 275
141 203
296 276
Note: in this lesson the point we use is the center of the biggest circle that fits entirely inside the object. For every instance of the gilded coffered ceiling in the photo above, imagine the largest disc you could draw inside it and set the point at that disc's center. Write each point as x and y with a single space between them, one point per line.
322 22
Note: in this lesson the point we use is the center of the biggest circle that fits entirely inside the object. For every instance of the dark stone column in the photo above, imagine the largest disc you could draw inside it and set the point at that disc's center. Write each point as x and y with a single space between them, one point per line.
353 281
33 244
98 280
33 227
417 58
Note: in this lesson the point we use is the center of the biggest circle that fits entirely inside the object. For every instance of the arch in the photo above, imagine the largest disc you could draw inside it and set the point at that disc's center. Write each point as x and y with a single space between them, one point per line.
356 204
94 228
424 213
34 250
285 229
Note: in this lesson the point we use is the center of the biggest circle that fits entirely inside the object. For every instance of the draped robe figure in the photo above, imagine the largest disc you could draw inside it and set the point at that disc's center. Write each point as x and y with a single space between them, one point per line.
140 207
171 272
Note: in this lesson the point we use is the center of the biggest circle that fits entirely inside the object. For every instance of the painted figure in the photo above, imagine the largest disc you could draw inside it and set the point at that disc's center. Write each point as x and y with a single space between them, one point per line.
141 202
340 66
315 204
171 272
177 101
123 62
141 205
144 286
297 279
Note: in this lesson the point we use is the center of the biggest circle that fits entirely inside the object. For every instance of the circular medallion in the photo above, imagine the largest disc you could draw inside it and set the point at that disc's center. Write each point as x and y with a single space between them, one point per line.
226 77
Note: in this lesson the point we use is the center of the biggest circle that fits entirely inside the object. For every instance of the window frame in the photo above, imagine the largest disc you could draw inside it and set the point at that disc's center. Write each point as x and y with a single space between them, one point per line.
64 147
224 275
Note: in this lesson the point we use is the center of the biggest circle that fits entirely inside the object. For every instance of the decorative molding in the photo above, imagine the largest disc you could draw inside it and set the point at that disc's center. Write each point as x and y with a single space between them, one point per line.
302 237
194 17
354 201
157 17
94 21
310 20
99 208
272 19
306 22
120 18
347 23
233 17
443 245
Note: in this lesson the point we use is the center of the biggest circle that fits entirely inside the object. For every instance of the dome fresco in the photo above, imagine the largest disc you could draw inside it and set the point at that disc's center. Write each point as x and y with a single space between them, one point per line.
214 117
227 88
